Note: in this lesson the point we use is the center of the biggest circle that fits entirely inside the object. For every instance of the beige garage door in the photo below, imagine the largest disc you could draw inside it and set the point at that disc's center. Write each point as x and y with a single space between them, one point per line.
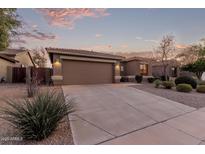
83 72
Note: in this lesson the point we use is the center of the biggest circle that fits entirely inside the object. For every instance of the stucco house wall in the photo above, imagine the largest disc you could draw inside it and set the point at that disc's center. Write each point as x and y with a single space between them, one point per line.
131 67
4 67
157 68
25 59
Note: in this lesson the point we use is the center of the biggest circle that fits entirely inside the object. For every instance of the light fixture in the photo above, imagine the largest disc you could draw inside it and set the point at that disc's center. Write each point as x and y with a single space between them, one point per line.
57 63
117 66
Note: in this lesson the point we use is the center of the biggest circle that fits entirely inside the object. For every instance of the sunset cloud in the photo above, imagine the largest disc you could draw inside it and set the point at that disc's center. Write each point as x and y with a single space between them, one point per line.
124 46
19 41
68 17
181 46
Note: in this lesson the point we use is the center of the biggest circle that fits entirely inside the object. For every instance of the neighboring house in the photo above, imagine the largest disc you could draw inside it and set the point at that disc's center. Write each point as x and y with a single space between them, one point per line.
10 58
5 63
136 66
172 68
71 66
21 55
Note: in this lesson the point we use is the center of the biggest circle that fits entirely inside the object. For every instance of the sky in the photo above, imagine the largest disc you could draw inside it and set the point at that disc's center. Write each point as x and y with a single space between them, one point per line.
109 30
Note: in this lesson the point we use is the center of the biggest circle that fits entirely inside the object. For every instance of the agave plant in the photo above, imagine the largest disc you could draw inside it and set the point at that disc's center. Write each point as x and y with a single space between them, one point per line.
37 118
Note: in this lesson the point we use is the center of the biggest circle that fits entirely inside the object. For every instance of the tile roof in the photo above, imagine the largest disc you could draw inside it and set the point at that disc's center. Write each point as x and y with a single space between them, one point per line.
12 52
138 59
79 52
8 58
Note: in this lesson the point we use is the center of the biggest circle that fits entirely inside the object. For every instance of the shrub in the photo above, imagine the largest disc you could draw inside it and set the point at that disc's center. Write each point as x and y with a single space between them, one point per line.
183 87
163 78
168 84
187 80
157 83
201 83
138 78
201 89
37 118
124 79
151 79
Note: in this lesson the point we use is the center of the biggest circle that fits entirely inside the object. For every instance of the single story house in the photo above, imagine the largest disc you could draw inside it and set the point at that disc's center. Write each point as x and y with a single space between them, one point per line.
172 68
6 62
13 58
22 55
136 66
73 66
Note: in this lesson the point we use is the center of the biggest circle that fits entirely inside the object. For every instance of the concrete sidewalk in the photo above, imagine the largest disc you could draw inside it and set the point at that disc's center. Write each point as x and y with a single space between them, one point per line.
118 114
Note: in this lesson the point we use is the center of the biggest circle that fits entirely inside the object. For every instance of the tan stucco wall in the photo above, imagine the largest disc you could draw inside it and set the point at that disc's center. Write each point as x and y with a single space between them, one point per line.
4 66
57 68
24 59
131 68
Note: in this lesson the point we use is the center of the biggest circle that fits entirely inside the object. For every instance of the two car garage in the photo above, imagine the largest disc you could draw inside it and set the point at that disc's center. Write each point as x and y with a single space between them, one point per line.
76 67
85 72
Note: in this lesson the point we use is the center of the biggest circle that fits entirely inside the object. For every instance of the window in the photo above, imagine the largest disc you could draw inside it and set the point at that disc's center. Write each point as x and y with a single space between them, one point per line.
144 69
122 68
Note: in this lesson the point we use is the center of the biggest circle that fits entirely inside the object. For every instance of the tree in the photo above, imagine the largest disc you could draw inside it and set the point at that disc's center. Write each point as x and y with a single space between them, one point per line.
164 51
188 55
198 67
9 23
192 53
39 57
201 49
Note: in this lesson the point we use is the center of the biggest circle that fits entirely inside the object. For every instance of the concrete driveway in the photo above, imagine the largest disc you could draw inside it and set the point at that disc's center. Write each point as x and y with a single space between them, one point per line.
119 114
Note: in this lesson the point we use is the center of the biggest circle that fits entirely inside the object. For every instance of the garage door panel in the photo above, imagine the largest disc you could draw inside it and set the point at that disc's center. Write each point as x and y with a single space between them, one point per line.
82 72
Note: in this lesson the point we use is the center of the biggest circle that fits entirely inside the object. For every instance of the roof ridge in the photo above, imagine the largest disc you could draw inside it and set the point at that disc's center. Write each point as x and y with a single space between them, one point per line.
83 50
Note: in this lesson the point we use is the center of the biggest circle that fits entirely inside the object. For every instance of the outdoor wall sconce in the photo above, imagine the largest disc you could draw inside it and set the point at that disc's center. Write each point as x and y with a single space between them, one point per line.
57 63
117 67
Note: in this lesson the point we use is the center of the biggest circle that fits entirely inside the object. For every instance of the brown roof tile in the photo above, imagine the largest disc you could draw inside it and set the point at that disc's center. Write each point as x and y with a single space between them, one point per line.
11 52
8 58
79 52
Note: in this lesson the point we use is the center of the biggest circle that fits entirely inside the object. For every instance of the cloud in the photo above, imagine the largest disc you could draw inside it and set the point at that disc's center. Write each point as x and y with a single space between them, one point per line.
35 34
124 46
181 46
34 26
98 35
138 38
68 17
19 41
154 41
146 40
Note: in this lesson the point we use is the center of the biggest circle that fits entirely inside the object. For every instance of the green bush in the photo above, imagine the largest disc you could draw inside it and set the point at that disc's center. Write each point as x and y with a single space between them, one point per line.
201 83
138 78
187 80
184 87
168 84
37 118
124 79
151 79
157 83
200 89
